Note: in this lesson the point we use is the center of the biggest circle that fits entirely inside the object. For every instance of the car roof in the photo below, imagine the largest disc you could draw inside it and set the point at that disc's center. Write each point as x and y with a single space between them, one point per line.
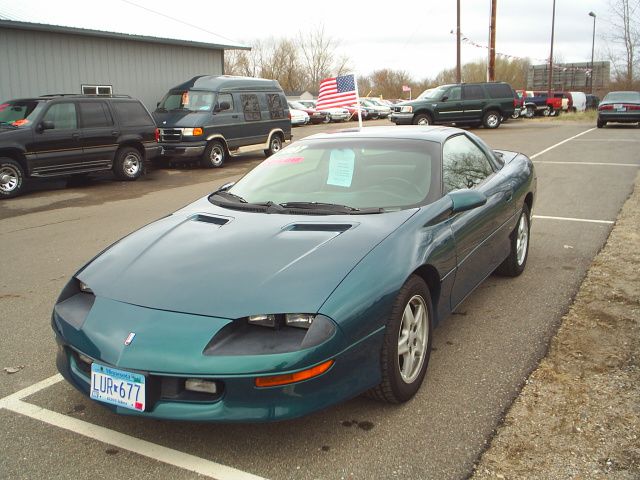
228 83
411 132
73 96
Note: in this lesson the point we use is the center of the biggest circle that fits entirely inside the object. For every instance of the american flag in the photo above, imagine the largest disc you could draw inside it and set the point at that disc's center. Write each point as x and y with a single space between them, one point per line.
337 92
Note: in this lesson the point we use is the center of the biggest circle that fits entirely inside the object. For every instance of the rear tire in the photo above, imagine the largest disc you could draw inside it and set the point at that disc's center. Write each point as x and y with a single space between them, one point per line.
275 145
214 155
422 119
129 164
12 178
515 263
491 119
406 346
601 123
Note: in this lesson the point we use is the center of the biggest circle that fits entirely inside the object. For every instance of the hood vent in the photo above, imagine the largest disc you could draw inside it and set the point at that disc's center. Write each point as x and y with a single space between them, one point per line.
319 227
210 219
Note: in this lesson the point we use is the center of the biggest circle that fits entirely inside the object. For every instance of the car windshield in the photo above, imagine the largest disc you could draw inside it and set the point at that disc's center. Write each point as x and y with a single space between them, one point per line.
308 103
359 173
17 113
622 97
191 100
434 92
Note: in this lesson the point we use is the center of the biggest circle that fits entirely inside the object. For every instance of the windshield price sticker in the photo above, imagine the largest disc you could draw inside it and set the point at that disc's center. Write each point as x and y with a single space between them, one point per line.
283 161
341 165
117 387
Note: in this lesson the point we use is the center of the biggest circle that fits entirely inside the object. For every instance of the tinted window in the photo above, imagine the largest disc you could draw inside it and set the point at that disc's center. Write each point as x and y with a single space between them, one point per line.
132 113
498 90
472 92
250 107
63 116
95 114
464 165
225 97
17 113
276 105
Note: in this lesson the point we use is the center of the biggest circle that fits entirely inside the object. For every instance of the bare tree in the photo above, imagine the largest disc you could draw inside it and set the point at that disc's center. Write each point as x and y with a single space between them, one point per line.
319 57
624 35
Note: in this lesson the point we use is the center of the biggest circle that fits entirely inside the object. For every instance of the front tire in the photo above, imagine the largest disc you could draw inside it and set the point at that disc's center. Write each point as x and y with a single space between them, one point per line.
275 145
514 264
129 164
407 343
214 155
12 178
422 119
491 119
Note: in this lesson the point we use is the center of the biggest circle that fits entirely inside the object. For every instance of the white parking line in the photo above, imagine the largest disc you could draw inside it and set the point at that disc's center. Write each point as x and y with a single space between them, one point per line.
569 219
589 163
560 143
151 450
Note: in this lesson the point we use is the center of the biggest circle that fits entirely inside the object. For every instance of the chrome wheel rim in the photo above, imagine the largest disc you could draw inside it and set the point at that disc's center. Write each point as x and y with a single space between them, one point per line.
131 164
522 240
413 338
275 145
217 156
9 178
492 121
423 121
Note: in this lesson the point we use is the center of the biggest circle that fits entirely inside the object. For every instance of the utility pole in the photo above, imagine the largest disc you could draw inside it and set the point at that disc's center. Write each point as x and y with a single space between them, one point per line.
458 67
593 44
553 26
491 71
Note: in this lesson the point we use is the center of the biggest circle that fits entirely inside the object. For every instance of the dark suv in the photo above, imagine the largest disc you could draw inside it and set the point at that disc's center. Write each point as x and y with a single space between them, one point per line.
463 104
58 135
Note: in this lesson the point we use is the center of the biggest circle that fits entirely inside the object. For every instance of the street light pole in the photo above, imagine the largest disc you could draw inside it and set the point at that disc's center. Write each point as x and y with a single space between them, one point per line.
593 44
553 25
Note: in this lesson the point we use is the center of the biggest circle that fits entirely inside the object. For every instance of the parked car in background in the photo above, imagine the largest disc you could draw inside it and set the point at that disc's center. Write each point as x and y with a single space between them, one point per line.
463 104
210 118
335 114
592 101
518 95
381 108
56 135
366 113
579 101
619 107
540 103
320 275
315 116
298 117
567 100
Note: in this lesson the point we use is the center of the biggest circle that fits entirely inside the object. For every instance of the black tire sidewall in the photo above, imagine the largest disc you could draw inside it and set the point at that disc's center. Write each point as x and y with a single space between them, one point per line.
118 167
276 138
391 371
420 116
21 178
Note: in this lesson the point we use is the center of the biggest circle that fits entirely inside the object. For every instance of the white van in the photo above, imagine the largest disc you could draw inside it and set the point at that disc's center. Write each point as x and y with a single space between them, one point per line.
579 101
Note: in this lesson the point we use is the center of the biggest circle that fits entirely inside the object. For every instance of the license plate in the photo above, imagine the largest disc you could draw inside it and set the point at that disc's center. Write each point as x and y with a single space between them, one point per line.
619 107
117 387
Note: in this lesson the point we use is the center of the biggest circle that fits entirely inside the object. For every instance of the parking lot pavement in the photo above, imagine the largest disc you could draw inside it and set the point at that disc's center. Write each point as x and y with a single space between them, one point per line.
482 353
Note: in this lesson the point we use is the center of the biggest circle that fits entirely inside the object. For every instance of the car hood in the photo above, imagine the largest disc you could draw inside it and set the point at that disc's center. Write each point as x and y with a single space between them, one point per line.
181 118
208 260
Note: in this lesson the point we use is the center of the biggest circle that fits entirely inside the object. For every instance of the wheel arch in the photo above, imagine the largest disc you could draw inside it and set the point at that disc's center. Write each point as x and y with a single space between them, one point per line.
15 154
431 277
528 200
275 131
137 144
220 138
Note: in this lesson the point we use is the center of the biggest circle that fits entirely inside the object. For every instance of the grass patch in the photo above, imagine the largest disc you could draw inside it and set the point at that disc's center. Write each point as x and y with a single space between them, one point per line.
586 116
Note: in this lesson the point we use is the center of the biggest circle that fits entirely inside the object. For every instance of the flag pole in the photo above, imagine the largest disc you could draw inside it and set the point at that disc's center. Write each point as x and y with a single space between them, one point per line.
355 82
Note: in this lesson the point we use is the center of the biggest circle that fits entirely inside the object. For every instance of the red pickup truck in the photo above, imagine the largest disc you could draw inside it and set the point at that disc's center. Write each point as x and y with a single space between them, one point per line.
539 103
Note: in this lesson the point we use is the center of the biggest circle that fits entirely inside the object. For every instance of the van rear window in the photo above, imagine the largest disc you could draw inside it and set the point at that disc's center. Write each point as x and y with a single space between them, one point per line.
276 105
250 107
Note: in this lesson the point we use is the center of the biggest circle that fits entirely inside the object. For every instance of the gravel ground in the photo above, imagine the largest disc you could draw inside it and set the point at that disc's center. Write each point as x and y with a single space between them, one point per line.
578 415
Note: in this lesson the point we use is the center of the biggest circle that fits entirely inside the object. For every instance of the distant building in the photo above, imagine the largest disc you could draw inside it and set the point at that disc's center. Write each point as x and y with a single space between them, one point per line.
570 76
40 57
299 95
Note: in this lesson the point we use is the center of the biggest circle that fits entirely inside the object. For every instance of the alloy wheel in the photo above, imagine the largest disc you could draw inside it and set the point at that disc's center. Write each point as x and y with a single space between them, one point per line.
413 338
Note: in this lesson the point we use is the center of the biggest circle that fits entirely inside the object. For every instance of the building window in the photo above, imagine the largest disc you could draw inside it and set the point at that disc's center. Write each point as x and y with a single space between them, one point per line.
97 90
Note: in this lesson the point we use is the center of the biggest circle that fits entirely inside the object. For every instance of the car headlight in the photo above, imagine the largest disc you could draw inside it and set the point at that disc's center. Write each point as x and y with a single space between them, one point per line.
192 132
406 109
298 320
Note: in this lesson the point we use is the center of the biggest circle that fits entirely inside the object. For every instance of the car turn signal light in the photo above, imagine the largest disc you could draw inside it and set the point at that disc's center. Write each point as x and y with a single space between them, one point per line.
197 131
289 378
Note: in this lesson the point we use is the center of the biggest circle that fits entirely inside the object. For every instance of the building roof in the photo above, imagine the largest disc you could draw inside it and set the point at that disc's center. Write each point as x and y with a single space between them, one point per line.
121 20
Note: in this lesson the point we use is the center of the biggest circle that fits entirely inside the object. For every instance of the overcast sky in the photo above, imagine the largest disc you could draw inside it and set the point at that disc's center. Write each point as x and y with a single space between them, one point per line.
411 35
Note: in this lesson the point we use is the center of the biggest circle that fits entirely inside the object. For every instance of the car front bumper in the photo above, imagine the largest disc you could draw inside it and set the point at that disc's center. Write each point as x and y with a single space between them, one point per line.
191 149
401 118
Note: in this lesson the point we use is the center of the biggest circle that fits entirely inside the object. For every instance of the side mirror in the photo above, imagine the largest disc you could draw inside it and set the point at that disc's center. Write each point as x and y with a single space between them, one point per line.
445 98
45 125
464 200
224 106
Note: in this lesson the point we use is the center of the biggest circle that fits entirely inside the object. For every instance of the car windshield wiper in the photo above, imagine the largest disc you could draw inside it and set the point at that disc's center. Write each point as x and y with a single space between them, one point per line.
332 207
226 194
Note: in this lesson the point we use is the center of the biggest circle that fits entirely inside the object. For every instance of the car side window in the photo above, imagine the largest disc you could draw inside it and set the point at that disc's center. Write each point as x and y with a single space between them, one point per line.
472 92
464 164
95 114
63 116
251 107
454 94
222 98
